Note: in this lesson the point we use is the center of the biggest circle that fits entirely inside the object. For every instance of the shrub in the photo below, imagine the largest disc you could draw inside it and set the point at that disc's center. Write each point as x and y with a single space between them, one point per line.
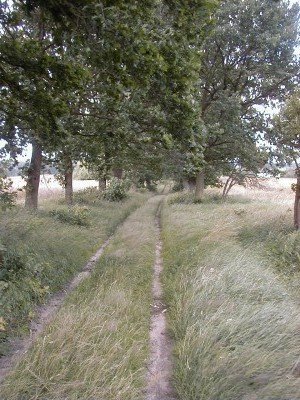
284 250
117 190
7 195
11 264
88 196
177 187
76 215
182 198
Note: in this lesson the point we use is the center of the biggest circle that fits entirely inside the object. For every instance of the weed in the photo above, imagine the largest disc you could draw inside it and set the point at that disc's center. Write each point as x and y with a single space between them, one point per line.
75 215
88 196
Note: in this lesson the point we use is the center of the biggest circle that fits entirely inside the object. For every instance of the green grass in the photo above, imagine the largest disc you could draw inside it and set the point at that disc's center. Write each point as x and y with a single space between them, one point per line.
233 319
50 252
97 345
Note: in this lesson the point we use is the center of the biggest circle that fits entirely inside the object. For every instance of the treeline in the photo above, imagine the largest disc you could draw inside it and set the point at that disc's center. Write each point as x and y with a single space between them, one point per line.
144 89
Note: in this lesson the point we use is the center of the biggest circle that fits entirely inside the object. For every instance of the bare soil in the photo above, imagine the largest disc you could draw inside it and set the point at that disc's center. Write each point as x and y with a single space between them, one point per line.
160 363
45 314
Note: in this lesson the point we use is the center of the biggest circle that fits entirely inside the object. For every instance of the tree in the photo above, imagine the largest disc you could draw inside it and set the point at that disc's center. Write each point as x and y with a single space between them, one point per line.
248 63
36 78
80 71
285 135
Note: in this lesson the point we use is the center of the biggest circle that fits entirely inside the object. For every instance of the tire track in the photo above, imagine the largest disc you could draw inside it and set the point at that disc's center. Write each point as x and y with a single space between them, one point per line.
46 312
160 363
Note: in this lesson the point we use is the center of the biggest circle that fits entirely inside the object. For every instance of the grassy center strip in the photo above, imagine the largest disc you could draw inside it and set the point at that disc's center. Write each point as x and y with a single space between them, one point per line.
97 345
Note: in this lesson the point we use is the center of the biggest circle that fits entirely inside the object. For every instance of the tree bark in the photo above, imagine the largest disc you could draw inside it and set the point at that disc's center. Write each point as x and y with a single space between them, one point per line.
191 183
68 179
102 184
33 177
199 189
224 194
297 202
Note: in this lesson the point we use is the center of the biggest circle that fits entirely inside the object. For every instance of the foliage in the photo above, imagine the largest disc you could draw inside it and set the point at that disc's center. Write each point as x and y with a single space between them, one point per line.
11 265
284 136
248 61
177 186
116 190
7 194
75 215
82 173
285 132
88 196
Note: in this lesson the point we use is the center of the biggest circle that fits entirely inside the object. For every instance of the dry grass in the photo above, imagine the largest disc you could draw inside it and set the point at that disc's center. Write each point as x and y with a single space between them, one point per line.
51 253
235 322
50 187
97 346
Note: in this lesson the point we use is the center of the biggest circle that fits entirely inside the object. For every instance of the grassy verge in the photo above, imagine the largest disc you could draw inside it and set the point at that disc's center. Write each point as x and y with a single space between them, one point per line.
234 321
97 346
42 251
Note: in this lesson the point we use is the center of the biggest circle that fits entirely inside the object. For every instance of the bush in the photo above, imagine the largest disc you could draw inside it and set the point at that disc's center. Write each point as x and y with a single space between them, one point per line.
7 195
76 215
117 190
11 264
88 196
177 187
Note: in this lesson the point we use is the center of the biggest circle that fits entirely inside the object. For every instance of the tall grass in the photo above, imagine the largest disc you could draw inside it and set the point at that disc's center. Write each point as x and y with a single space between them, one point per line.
234 322
97 346
50 252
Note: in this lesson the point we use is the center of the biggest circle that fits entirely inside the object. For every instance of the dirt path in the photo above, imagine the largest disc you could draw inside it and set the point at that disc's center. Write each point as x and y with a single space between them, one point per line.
160 364
45 314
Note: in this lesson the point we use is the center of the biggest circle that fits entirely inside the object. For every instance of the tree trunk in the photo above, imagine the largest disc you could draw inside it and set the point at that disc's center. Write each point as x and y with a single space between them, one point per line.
117 173
199 189
191 184
185 184
68 179
297 202
102 184
33 177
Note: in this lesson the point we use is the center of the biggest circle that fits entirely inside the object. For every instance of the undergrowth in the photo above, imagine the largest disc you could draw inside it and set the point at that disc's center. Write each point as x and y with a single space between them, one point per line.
97 346
39 254
75 215
185 197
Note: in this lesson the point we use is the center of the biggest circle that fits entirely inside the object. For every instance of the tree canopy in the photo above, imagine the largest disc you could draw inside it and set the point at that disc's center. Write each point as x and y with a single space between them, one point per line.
175 82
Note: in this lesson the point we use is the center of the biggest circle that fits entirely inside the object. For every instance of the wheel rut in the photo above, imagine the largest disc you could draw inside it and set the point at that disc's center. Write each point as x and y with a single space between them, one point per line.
45 313
160 364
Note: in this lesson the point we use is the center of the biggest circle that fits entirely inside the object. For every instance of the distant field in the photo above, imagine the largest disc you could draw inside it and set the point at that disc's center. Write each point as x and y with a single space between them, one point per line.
49 186
277 190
